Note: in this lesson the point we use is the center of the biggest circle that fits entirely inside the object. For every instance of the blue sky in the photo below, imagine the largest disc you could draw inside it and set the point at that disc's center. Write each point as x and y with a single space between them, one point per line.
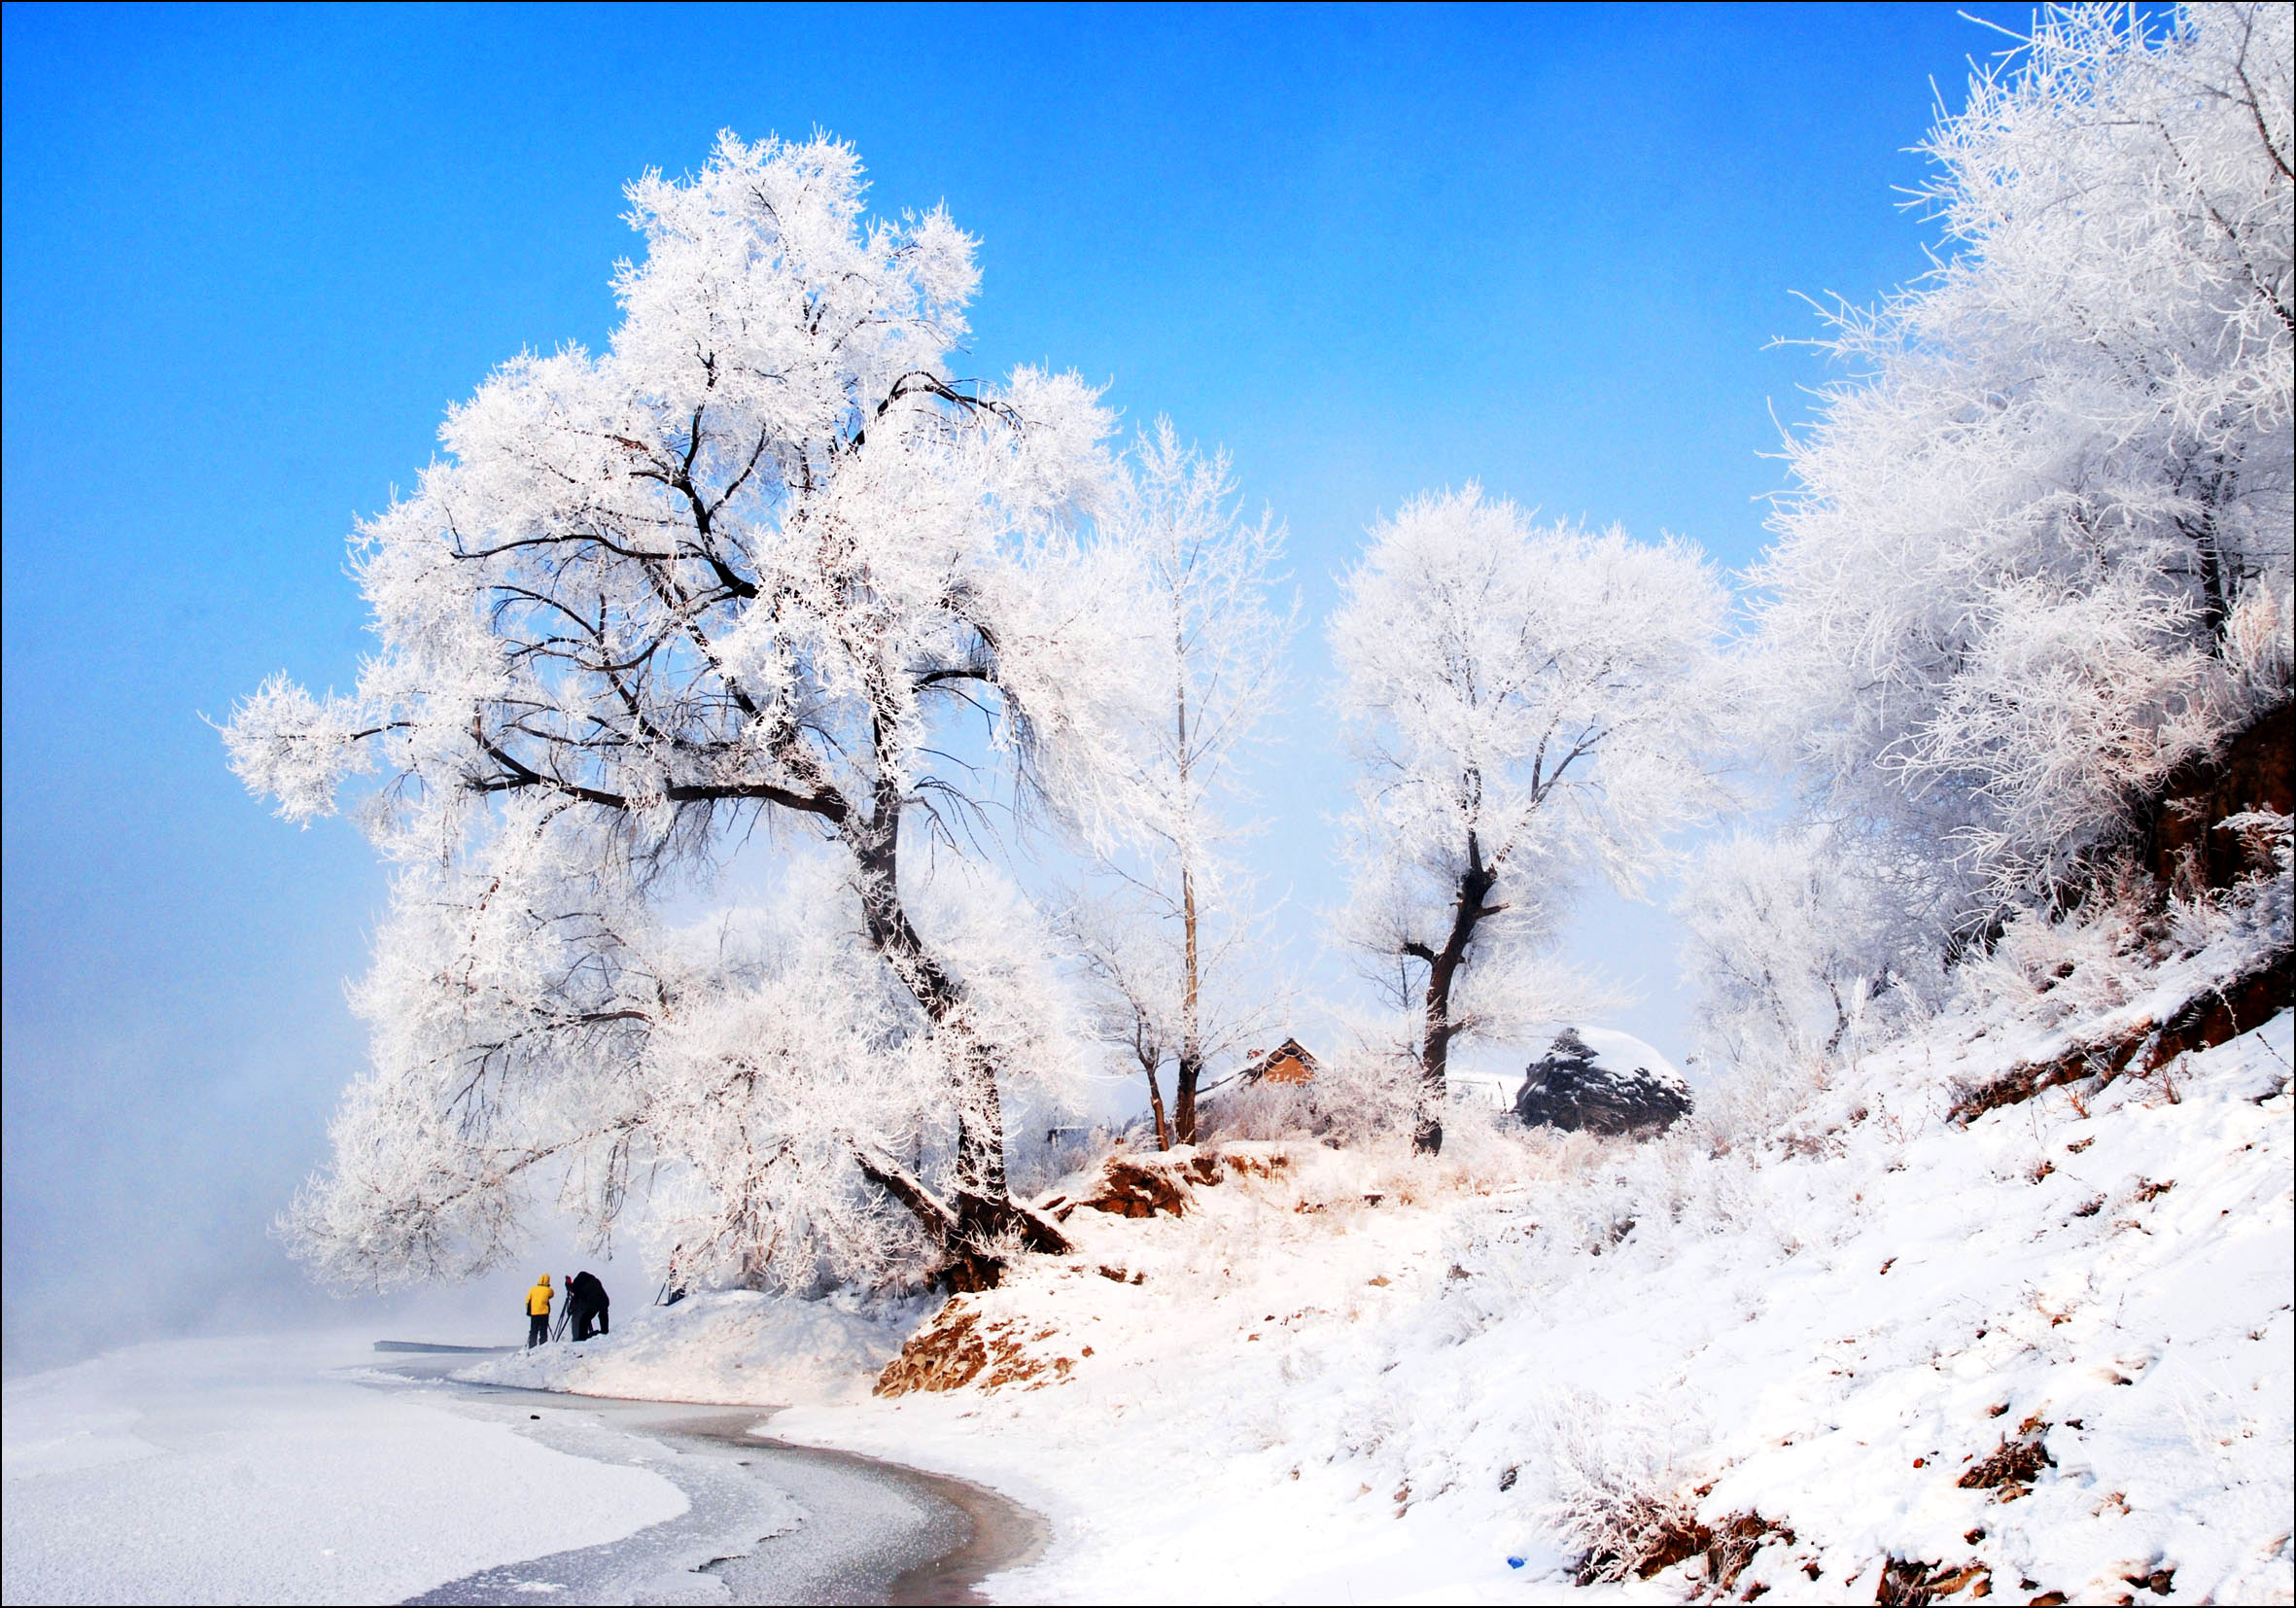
250 256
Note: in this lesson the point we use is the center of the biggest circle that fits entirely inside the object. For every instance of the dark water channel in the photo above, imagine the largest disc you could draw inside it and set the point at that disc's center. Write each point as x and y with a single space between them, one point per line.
766 1521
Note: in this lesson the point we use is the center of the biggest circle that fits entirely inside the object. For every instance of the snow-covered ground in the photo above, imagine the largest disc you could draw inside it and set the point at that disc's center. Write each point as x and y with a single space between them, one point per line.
2047 1350
264 1471
1363 1376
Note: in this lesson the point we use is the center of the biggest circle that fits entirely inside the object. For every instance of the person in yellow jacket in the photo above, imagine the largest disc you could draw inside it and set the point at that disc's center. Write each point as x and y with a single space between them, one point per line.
537 1312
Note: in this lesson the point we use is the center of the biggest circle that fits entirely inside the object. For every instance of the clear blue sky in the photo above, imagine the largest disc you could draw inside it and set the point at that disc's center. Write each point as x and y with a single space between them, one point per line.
251 253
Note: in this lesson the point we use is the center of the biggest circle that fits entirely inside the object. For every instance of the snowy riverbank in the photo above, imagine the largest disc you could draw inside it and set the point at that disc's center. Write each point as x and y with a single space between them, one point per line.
313 1470
2043 1352
2037 1354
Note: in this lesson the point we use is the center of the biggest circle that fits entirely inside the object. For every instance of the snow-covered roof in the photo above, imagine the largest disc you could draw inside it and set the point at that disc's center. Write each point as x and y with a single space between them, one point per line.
1620 1052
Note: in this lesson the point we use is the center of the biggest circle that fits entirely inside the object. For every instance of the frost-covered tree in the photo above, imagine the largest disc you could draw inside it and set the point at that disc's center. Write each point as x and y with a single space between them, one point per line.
2037 552
1795 937
1171 939
1530 707
736 577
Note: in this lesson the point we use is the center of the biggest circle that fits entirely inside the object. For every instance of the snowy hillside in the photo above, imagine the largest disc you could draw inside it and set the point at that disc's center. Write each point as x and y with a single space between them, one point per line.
2041 1356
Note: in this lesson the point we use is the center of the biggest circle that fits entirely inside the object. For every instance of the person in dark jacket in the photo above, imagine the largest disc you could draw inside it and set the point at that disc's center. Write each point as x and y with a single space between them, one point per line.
587 1300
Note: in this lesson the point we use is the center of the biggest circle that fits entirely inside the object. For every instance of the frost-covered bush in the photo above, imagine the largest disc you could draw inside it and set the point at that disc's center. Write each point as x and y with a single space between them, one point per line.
1619 1494
1365 1093
1242 1110
1343 1105
1800 940
2267 837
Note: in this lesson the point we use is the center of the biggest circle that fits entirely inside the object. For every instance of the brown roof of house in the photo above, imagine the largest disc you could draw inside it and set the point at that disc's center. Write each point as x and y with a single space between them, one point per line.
1288 1063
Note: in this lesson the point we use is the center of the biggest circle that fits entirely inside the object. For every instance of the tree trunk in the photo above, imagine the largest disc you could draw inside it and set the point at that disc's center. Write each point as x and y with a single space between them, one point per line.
2215 586
1191 1068
1163 1132
1443 970
959 1229
1185 1077
983 1203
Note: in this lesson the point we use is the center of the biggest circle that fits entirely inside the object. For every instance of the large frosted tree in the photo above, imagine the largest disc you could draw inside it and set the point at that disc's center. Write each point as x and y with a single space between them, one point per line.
1531 707
1800 939
2037 550
736 579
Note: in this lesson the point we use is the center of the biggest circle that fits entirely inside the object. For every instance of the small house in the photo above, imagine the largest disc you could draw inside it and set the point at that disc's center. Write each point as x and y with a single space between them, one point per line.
1288 1063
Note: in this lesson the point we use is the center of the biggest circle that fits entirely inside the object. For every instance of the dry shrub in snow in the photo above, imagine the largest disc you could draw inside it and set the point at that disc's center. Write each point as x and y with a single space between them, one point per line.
1257 1111
2046 971
2052 972
1362 1092
1365 1094
1619 1496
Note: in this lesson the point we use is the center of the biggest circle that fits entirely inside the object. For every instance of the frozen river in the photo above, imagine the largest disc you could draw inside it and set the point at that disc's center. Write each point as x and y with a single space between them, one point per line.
768 1521
312 1469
